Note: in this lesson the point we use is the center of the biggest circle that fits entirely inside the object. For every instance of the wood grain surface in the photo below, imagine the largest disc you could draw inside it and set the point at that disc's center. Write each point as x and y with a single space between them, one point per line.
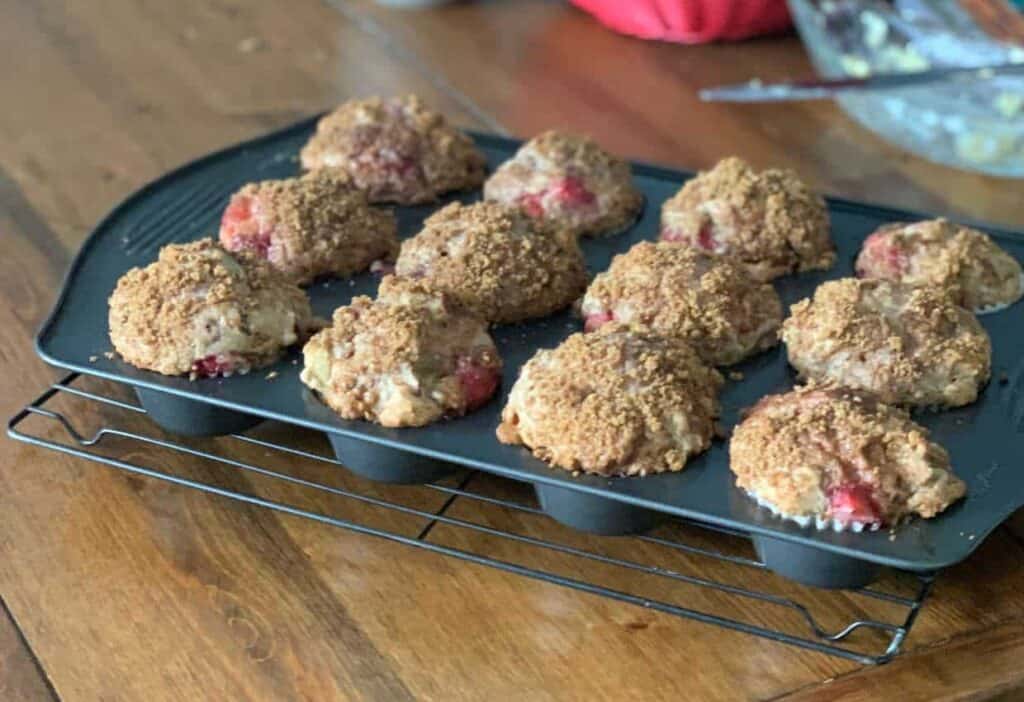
21 678
122 588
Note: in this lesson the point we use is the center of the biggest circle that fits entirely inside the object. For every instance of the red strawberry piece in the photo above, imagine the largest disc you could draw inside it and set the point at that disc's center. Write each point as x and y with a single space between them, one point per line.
213 365
572 192
240 230
531 204
478 381
706 238
239 209
880 251
853 502
596 320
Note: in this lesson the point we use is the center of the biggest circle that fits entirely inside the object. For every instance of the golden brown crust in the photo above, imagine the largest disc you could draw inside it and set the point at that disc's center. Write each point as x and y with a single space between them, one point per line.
770 221
907 345
395 149
198 300
704 300
401 360
613 402
939 252
570 180
797 450
496 261
314 225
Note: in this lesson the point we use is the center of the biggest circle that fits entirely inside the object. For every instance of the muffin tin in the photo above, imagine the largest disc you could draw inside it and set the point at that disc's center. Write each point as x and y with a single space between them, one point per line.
984 439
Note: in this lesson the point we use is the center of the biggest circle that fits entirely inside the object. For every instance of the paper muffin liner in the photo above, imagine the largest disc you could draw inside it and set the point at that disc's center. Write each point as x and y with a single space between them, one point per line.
819 523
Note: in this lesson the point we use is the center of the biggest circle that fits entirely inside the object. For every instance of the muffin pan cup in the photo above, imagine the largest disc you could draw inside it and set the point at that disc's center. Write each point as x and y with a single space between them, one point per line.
812 566
593 514
387 465
985 440
178 415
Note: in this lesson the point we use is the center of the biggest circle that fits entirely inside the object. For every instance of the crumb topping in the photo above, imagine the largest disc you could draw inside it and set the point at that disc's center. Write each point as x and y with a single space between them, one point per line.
396 149
408 358
704 300
313 225
800 450
907 345
495 261
614 402
770 221
570 180
939 252
197 301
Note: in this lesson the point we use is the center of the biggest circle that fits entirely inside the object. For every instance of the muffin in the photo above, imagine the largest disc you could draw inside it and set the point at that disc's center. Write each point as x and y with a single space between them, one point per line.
311 226
569 180
937 252
769 221
395 150
496 261
906 345
700 299
409 358
207 312
613 402
837 458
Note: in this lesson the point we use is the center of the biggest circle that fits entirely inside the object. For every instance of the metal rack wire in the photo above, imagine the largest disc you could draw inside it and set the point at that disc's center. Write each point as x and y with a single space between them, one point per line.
884 638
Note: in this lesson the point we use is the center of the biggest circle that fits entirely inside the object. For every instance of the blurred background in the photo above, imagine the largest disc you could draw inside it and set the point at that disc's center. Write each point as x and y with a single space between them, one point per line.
975 124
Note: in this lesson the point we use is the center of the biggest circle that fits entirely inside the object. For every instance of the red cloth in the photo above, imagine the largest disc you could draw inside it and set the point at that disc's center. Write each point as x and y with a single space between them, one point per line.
690 21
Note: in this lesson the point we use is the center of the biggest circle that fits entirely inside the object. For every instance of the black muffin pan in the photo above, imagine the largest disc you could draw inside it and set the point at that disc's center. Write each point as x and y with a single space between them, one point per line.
983 439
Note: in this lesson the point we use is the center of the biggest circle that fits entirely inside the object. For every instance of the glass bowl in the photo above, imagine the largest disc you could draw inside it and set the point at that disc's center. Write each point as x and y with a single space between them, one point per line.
977 126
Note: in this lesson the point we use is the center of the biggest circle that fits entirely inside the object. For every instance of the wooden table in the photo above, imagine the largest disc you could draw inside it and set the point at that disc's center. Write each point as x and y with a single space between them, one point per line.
116 587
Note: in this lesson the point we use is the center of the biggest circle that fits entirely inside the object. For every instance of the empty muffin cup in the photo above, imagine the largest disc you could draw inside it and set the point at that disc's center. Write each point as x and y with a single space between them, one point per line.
597 515
810 565
387 465
190 418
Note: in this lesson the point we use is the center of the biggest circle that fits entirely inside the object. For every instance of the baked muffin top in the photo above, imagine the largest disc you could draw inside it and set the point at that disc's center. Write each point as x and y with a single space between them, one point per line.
496 261
614 402
705 300
840 459
769 220
202 310
907 345
938 252
570 180
310 226
395 149
408 358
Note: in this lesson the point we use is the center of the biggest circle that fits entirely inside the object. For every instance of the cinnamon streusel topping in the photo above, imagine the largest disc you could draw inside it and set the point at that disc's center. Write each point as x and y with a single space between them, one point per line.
496 261
769 221
613 402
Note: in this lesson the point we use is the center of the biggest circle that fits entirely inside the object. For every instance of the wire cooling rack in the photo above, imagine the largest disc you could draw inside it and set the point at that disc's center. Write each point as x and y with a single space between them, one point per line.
698 563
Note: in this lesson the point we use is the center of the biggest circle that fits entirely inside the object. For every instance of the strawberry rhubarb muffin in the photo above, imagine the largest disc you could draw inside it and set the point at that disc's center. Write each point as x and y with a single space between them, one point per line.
495 260
706 301
409 358
205 311
570 180
768 221
319 224
839 459
395 149
907 345
938 252
614 402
